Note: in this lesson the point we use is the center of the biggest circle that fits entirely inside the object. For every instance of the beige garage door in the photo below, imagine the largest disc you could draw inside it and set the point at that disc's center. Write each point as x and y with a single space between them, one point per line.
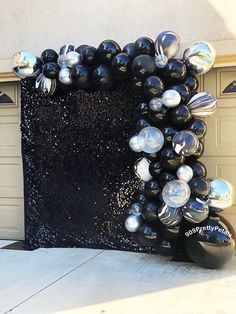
11 177
220 142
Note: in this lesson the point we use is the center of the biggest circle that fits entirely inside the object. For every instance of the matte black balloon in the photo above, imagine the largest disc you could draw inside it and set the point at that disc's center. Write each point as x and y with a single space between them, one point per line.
174 71
102 77
184 92
136 83
199 170
198 127
192 82
212 247
147 235
170 233
168 133
199 152
129 49
145 46
107 51
81 76
153 87
159 117
150 211
143 66
165 177
152 156
199 186
121 65
181 115
170 160
80 48
89 55
166 248
51 70
152 189
142 123
155 169
141 198
142 109
49 55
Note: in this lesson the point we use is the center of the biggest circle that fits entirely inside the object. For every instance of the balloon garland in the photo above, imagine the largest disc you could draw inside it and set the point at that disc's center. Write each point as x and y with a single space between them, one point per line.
176 205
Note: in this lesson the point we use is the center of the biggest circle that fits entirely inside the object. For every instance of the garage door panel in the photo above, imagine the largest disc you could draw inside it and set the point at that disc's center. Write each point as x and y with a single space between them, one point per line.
10 136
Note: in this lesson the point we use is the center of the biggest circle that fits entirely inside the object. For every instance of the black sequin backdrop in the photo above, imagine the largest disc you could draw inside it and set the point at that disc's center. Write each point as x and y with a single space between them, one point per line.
78 169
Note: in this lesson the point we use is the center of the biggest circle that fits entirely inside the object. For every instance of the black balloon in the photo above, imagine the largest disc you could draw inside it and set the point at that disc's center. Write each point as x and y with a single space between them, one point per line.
199 152
174 71
181 115
51 70
165 177
150 211
121 65
107 51
81 76
89 55
153 87
66 48
152 189
102 77
198 127
147 235
136 83
142 123
129 50
155 169
49 55
152 156
168 133
195 210
158 117
170 160
80 48
142 109
192 82
199 170
184 92
170 233
167 248
199 186
141 198
143 66
144 45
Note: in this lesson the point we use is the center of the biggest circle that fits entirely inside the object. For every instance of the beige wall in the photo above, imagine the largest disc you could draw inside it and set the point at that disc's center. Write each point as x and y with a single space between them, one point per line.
38 24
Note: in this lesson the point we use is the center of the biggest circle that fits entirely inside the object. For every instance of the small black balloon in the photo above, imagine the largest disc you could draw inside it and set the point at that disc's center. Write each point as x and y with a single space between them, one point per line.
159 117
150 211
170 233
66 48
192 82
89 55
199 152
152 156
144 45
165 177
102 77
167 248
199 170
184 92
168 133
80 48
107 51
153 87
142 123
142 109
49 55
170 160
152 189
51 70
147 235
81 76
181 115
143 66
136 83
129 50
140 198
198 127
121 65
155 169
174 71
199 186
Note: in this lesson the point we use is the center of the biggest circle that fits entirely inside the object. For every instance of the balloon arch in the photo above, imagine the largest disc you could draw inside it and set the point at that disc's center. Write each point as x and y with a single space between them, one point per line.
176 205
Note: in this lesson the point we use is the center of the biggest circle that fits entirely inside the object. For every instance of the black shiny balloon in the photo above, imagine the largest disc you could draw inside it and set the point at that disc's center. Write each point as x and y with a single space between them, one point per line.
143 66
136 83
155 169
141 198
198 127
195 210
142 109
142 123
129 50
152 156
174 71
213 246
199 170
181 115
121 65
166 248
170 160
150 211
144 46
66 48
81 76
192 82
102 77
165 177
152 189
168 133
147 235
184 92
153 87
80 48
199 186
89 55
107 51
159 117
199 152
170 233
51 70
49 55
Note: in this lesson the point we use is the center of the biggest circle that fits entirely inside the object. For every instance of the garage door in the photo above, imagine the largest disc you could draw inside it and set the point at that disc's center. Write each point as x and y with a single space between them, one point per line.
220 141
11 176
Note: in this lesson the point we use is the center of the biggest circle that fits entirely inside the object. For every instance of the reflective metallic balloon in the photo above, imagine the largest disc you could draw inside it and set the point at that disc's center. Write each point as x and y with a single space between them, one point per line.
167 46
171 98
136 209
202 105
195 210
155 104
221 193
185 143
141 169
176 193
134 144
61 61
45 85
150 139
170 216
200 57
72 59
65 76
185 173
25 64
132 223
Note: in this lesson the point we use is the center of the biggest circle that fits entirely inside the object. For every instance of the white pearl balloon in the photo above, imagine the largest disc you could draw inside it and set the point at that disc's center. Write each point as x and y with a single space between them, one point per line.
65 76
171 98
141 169
132 223
134 144
185 173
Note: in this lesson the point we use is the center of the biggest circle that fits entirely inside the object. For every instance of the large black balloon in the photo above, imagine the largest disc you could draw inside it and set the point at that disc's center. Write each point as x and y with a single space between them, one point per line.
155 169
147 235
51 70
136 83
121 65
170 233
214 245
81 76
142 109
170 160
152 189
165 177
129 50
107 51
89 55
144 45
168 133
167 248
192 82
181 115
195 210
174 71
150 211
102 77
142 123
199 186
153 87
160 116
184 92
199 170
49 55
143 66
198 127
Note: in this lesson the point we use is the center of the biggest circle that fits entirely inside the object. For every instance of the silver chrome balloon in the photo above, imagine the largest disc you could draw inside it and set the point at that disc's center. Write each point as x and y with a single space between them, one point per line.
155 104
25 64
61 61
45 85
171 98
141 169
134 144
176 193
221 193
65 76
150 139
170 216
72 59
132 223
202 105
136 209
185 173
200 57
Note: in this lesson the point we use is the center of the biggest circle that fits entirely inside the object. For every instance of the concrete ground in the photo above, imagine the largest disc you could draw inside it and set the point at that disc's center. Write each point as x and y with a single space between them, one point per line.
85 281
